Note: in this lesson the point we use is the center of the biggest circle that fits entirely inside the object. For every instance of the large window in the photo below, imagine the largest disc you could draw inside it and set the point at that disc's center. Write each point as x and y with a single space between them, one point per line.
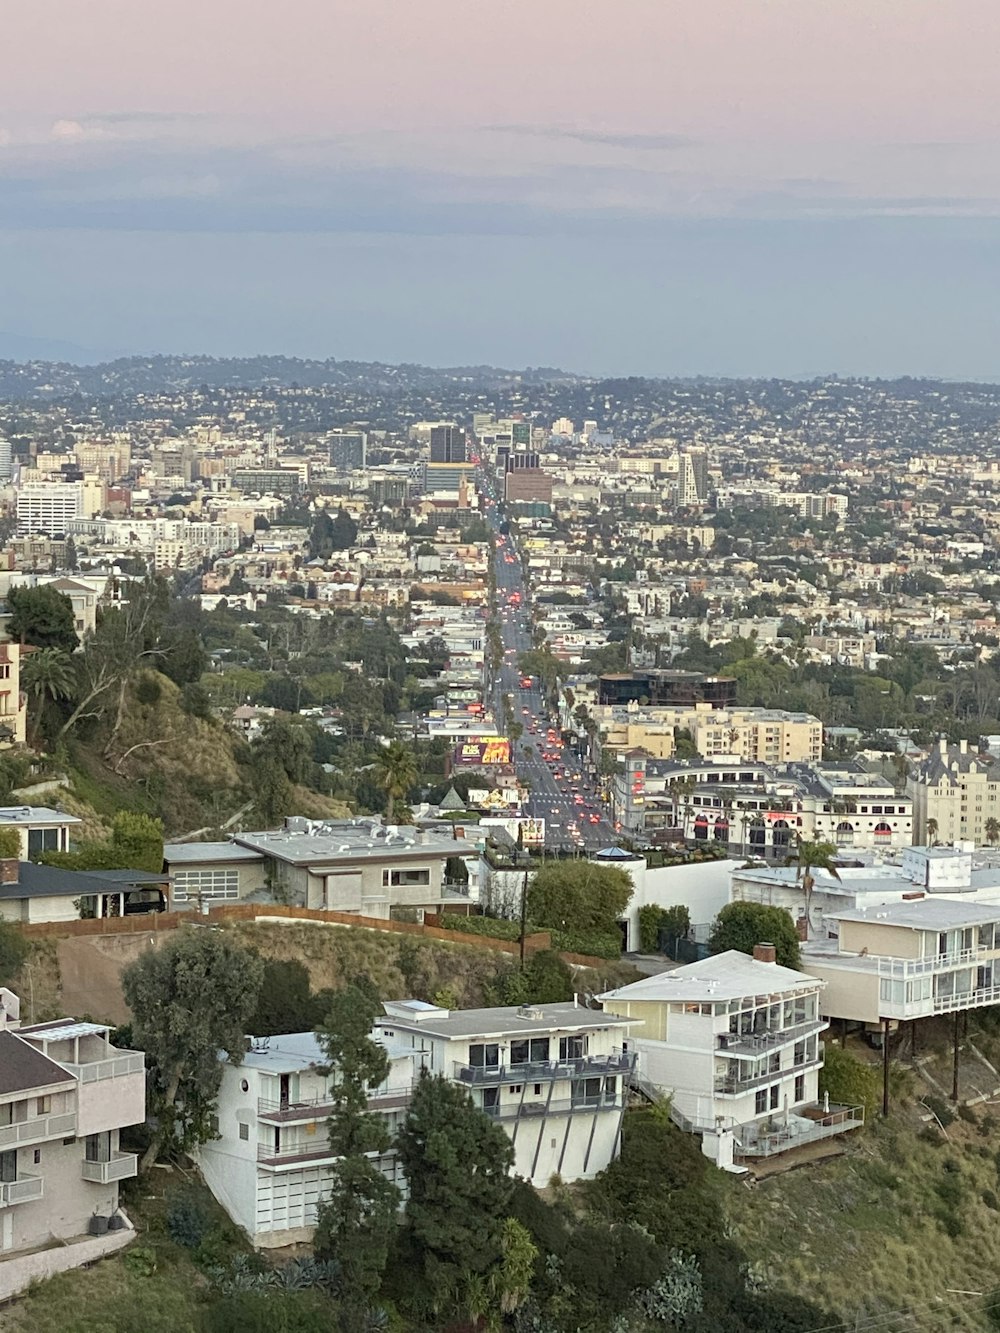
572 1048
534 1051
43 840
206 884
405 879
484 1055
97 1147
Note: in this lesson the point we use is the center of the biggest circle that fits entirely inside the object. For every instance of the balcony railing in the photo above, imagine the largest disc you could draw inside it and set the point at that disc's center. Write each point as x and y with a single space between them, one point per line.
734 1087
115 1066
535 1110
294 1154
901 969
806 1125
539 1071
27 1189
755 1043
320 1106
122 1166
38 1129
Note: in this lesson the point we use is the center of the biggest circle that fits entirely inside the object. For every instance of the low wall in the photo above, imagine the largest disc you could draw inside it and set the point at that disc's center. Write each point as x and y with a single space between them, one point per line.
19 1271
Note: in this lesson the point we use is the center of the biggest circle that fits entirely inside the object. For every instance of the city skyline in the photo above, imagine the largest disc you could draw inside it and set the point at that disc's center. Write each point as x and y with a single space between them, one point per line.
748 189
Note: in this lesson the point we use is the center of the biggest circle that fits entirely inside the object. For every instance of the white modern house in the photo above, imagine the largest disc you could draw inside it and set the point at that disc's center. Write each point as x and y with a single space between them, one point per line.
555 1076
734 1041
270 1165
65 1094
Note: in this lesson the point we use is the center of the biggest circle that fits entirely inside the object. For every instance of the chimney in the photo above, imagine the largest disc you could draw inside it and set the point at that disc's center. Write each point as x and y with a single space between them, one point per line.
9 869
765 952
963 747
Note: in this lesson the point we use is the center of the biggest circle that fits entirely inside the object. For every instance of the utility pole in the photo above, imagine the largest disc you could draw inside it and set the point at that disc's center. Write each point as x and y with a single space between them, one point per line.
954 1070
885 1066
524 915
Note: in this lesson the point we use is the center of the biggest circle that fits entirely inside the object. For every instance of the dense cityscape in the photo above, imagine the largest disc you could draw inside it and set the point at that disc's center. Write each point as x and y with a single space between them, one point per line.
487 849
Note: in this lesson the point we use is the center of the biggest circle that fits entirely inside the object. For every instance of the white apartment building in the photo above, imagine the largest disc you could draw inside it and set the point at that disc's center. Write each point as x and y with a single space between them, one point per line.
51 507
555 1076
764 735
908 960
270 1166
735 1042
65 1094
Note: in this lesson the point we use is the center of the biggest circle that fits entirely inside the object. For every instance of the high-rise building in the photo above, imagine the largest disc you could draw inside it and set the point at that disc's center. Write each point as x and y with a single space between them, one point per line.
520 433
447 444
348 450
522 459
6 459
49 506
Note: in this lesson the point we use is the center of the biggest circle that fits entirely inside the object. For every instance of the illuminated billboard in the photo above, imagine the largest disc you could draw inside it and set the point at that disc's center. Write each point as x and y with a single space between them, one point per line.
483 753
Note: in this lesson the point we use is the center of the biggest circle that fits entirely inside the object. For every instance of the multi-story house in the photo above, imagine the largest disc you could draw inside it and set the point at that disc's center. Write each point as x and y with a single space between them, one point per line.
270 1166
956 796
735 1042
552 1076
65 1093
555 1076
909 960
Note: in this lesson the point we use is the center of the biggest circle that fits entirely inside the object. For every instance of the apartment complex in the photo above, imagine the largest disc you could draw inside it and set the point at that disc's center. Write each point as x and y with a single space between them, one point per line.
956 794
765 735
49 506
65 1094
735 1042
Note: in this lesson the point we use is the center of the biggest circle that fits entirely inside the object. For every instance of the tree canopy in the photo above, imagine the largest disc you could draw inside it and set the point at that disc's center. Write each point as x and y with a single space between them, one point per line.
742 925
578 896
190 1000
42 617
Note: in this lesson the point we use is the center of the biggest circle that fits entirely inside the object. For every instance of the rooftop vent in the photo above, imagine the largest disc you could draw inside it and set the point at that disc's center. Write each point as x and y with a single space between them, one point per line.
529 1011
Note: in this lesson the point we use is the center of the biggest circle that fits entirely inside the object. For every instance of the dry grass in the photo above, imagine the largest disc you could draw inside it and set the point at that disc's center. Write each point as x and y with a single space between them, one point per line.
896 1224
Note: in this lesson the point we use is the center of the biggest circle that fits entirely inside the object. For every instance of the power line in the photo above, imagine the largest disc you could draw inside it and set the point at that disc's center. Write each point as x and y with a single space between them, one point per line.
871 1323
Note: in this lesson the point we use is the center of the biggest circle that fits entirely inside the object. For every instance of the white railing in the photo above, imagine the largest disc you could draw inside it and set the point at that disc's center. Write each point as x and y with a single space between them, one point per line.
122 1166
116 1066
801 1129
902 968
36 1130
25 1190
320 1106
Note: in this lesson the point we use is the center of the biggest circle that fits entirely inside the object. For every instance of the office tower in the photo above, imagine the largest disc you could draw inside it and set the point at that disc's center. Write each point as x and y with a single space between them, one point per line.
348 450
447 444
49 506
6 459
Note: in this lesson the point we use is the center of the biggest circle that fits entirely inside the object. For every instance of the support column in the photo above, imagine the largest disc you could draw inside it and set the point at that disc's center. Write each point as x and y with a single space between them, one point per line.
885 1066
913 1039
954 1070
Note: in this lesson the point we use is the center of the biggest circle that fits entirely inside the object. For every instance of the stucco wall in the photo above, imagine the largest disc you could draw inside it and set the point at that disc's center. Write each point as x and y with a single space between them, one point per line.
18 1272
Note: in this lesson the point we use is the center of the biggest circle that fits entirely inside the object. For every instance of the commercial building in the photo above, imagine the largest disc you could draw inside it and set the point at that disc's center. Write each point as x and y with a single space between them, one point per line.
49 507
65 1095
524 485
348 450
765 735
447 444
735 1043
666 689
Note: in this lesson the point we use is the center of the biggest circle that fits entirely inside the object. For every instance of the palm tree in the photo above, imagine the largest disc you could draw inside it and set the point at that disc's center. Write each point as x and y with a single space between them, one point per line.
992 831
47 674
810 856
397 773
932 830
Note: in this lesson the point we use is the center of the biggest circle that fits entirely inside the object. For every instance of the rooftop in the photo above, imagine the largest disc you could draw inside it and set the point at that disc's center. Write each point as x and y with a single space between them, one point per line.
348 843
508 1021
923 914
725 976
34 814
23 1068
186 853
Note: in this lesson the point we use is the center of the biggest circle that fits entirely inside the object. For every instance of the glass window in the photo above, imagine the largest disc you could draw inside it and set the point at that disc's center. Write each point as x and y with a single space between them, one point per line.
484 1055
760 1101
244 1132
800 1088
223 884
97 1147
8 1166
775 1094
7 1113
42 840
572 1048
43 1105
535 1050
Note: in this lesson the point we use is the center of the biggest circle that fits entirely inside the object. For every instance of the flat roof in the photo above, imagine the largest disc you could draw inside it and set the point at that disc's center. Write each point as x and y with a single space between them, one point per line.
506 1021
922 914
187 853
64 1030
349 844
725 976
34 814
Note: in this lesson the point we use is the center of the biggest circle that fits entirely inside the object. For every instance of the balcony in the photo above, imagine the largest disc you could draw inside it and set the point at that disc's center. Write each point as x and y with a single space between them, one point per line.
27 1189
540 1071
318 1108
736 1085
807 1124
122 1166
296 1154
116 1066
756 1043
37 1130
536 1110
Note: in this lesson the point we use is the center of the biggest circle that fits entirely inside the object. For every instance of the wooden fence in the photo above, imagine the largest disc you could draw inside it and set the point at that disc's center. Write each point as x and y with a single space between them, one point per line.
155 923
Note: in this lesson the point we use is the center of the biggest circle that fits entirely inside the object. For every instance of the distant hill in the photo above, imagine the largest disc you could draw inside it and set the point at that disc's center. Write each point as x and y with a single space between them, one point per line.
19 347
30 368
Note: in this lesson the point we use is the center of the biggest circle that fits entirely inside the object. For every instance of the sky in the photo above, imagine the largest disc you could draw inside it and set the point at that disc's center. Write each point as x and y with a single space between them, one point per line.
660 187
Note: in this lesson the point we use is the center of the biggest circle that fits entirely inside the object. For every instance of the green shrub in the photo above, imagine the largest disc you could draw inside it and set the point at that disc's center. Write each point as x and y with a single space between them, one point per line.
967 1114
991 1201
10 844
849 1081
187 1221
941 1110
